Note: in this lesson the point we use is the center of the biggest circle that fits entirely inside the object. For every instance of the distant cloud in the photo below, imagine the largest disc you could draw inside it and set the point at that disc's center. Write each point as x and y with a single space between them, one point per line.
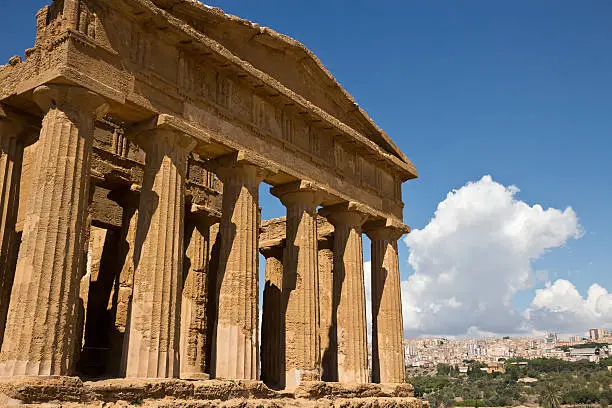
474 255
560 307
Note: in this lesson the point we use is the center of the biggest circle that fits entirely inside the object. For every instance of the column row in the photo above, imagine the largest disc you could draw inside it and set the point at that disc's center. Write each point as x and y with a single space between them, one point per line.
323 335
166 331
42 332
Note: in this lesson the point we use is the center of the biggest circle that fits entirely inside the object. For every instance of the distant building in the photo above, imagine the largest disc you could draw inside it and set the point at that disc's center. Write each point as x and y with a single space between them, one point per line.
598 334
495 367
592 354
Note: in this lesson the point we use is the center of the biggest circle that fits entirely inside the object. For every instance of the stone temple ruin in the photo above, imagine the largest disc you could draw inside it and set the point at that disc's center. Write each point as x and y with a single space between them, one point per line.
135 135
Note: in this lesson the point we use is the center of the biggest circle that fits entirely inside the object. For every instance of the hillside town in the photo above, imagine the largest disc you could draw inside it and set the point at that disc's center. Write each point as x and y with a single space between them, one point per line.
428 352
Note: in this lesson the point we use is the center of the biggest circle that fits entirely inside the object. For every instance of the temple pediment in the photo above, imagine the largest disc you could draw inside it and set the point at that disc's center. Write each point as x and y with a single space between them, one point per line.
285 59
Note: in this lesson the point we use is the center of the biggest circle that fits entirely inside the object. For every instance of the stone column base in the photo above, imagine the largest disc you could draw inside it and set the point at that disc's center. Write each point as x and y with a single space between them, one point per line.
71 391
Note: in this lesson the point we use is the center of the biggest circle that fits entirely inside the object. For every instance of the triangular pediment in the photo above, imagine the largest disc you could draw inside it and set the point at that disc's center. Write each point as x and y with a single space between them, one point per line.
286 60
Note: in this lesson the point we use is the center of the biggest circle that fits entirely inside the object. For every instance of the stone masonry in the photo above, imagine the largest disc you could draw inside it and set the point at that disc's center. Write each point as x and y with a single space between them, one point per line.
134 139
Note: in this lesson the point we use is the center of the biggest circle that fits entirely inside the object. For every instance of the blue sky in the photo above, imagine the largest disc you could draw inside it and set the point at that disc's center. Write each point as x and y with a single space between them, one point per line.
520 90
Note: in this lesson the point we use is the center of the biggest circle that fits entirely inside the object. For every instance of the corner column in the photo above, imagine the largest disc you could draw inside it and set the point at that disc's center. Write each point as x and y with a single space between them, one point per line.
195 295
153 344
272 325
387 325
301 284
40 331
349 292
13 129
236 340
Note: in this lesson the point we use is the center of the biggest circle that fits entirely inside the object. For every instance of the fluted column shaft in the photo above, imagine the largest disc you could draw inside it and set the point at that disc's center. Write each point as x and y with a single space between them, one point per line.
153 348
40 331
11 156
301 284
271 325
349 294
235 353
329 349
387 326
194 298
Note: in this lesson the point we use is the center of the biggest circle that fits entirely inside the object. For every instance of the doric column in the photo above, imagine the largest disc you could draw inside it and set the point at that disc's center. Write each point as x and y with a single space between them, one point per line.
12 132
40 331
153 348
349 292
235 352
272 332
387 327
301 284
329 348
194 296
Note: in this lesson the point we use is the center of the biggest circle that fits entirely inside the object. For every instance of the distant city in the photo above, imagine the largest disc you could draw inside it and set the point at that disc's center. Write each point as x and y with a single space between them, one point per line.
429 352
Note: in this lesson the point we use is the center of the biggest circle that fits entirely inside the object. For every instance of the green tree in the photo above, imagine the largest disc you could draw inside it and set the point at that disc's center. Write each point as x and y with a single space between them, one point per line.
443 369
474 369
549 396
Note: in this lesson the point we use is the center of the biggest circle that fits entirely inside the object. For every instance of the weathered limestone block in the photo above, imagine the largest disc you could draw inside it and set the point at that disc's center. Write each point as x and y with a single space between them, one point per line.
12 132
105 212
195 297
276 230
272 327
329 347
153 343
171 393
319 389
387 324
349 292
40 332
235 352
301 284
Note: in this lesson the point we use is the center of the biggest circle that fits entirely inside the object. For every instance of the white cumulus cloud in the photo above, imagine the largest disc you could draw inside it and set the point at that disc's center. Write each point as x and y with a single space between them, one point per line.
474 255
560 307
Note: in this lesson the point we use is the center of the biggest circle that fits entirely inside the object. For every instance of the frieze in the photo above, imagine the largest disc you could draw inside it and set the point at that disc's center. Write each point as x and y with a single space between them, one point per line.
224 91
194 79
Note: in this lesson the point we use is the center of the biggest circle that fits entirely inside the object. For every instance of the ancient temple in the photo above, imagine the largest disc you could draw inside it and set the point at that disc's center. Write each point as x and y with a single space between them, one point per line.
135 135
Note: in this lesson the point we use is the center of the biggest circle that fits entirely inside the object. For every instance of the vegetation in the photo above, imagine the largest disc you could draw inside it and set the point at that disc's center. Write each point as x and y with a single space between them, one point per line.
558 383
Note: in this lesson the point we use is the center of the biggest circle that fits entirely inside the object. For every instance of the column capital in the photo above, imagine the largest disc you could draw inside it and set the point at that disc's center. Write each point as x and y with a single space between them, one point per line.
13 124
163 129
205 216
170 130
243 164
299 191
71 98
275 251
385 229
10 124
349 213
